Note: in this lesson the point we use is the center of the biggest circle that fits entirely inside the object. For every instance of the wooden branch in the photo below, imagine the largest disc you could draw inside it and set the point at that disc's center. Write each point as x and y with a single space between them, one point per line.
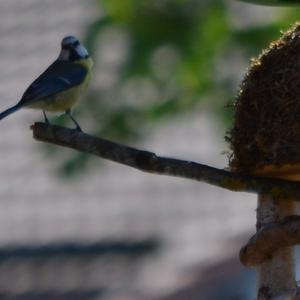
269 239
149 162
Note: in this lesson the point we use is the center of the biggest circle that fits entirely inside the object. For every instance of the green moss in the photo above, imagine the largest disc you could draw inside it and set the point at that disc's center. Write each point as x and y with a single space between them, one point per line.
266 128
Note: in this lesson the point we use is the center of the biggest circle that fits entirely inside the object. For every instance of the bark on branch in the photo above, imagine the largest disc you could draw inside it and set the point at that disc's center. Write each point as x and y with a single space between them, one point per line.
149 162
269 239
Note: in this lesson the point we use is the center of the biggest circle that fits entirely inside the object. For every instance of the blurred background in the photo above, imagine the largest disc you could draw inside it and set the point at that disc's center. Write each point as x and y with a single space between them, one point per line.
166 73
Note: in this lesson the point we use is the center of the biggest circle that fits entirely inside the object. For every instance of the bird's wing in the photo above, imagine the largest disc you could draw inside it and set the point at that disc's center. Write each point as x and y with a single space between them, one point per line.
58 77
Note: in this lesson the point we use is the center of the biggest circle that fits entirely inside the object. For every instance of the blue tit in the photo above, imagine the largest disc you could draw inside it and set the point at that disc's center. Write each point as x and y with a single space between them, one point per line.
61 85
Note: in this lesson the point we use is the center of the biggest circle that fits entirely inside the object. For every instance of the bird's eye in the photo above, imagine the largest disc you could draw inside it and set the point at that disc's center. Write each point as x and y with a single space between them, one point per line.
75 44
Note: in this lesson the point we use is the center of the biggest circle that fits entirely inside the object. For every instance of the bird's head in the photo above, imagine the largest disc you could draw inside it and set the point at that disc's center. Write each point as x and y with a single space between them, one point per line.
72 49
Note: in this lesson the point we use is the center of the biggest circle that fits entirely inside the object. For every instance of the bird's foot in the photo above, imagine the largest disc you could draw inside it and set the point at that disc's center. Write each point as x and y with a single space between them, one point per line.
45 117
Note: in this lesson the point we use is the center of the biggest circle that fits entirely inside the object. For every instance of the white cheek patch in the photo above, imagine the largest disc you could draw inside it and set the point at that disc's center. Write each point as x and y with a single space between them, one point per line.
81 51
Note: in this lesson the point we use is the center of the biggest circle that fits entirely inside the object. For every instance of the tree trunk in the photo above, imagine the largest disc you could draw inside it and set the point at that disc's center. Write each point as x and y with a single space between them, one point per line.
276 277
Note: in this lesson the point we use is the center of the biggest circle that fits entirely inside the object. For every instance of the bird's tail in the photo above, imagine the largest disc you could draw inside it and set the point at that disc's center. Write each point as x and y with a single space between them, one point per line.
9 111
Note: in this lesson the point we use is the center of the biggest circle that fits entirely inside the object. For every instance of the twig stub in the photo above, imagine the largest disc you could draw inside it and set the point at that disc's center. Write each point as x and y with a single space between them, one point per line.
269 239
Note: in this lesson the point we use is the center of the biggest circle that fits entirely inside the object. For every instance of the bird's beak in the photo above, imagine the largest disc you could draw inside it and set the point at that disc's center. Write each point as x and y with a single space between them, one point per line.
81 51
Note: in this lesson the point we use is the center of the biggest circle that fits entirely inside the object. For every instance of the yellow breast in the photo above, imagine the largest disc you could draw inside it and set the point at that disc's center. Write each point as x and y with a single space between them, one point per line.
65 100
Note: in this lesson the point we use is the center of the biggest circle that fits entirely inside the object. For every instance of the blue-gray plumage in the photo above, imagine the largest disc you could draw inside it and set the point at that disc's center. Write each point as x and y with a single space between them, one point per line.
61 85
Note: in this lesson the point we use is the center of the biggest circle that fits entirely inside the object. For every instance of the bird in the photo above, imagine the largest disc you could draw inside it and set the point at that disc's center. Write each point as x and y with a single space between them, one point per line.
61 85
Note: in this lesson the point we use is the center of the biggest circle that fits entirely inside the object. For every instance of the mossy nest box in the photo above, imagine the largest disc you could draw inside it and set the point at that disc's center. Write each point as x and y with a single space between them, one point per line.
265 137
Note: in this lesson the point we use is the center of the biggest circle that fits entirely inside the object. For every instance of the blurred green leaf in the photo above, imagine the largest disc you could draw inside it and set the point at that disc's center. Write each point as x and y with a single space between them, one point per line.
273 2
155 59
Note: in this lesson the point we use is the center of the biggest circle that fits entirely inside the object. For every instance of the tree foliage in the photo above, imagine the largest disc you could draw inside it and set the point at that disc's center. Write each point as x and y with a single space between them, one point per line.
156 59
